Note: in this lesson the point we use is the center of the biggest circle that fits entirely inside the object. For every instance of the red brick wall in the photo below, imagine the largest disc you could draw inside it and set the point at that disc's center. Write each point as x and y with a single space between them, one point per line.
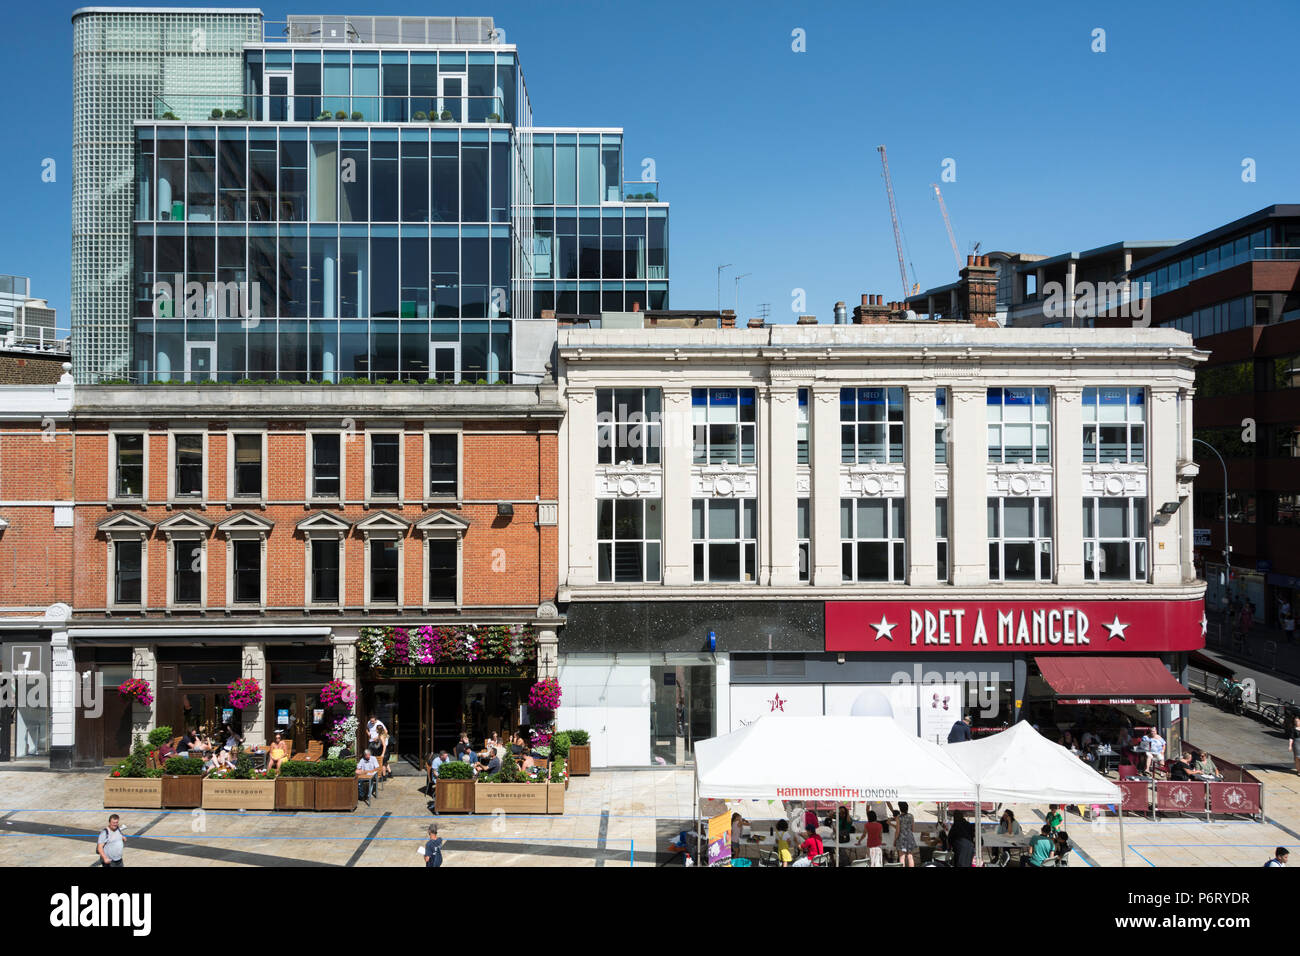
36 559
504 561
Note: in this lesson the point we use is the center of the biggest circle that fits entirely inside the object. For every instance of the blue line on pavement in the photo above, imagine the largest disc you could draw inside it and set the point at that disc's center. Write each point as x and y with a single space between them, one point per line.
202 836
1139 855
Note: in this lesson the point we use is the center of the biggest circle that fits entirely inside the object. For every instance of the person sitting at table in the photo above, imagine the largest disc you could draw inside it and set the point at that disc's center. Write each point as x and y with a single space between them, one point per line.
277 753
1180 768
1203 767
368 776
786 844
1152 749
1088 739
961 840
1041 847
488 762
1009 825
1067 741
233 740
845 820
1062 849
219 761
189 741
812 845
463 750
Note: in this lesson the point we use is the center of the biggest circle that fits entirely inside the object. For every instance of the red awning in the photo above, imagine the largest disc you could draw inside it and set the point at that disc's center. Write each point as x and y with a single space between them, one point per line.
1093 679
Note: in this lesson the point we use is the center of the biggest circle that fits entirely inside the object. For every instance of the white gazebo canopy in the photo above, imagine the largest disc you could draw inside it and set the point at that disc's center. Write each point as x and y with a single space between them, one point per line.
850 759
1021 766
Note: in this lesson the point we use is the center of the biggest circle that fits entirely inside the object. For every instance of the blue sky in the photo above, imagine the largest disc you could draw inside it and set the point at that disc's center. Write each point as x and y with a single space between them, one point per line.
768 155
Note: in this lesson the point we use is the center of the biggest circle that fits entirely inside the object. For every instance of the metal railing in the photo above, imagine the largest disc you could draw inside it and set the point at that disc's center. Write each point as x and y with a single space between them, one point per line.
39 339
391 31
284 108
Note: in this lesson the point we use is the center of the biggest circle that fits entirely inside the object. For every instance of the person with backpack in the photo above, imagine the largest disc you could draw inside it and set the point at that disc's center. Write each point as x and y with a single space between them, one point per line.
111 843
433 847
1279 857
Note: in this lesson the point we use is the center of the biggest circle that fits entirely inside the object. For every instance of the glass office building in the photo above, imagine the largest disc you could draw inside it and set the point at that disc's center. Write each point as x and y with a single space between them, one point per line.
373 201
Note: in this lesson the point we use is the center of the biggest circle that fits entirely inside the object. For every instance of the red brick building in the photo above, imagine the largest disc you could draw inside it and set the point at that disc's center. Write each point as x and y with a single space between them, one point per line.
226 532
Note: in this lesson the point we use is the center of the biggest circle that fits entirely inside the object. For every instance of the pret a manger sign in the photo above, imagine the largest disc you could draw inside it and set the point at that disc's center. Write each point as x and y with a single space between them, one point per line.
1057 626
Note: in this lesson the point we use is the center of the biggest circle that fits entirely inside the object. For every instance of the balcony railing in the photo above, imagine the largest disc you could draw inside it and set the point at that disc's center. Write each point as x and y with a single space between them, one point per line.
1275 253
280 108
637 190
393 31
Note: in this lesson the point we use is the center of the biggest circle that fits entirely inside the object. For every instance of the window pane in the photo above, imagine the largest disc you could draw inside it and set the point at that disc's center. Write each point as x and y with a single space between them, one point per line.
126 556
443 464
1019 562
1018 518
1113 518
724 562
325 571
442 570
724 519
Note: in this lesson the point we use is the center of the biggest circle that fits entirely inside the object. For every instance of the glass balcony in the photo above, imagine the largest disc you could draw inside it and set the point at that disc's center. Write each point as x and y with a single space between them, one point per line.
285 108
638 190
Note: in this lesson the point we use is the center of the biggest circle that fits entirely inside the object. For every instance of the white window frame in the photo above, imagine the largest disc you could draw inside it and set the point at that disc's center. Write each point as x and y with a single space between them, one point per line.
310 480
1096 424
113 436
126 526
895 543
245 526
650 430
1035 423
942 504
324 526
942 402
442 526
172 448
460 466
803 543
1138 539
231 495
171 570
895 453
401 467
1037 538
742 541
384 526
707 420
644 542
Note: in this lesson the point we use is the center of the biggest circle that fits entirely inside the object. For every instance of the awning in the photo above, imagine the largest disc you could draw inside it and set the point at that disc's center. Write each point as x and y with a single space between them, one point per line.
1094 679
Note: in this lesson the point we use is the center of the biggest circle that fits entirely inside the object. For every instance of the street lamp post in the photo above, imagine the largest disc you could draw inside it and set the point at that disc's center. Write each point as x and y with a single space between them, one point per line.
1227 546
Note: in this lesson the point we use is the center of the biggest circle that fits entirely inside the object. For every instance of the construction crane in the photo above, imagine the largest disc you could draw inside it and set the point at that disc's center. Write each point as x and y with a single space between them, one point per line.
947 223
893 215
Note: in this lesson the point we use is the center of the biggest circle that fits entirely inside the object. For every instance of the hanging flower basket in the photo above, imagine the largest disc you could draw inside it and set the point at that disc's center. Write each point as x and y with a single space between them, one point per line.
137 688
338 693
343 733
244 693
545 695
405 646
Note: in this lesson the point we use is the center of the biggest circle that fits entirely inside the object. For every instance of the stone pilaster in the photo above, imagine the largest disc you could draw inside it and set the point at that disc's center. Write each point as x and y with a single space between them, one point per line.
1162 431
920 496
1067 452
679 563
968 541
144 665
345 658
580 473
825 457
254 666
778 513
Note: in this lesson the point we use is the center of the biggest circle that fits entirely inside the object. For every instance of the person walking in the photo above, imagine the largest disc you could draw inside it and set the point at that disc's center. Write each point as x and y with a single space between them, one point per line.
904 838
111 843
960 731
433 847
1293 740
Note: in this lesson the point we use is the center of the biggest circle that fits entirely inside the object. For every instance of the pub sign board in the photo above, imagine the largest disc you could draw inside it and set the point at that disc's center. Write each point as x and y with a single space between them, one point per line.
462 671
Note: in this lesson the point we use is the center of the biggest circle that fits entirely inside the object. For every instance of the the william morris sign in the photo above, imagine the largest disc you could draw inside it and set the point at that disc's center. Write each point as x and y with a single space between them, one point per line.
472 671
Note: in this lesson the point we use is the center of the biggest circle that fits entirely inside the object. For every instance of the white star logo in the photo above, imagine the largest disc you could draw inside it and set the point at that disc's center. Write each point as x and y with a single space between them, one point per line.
1116 629
884 629
1204 624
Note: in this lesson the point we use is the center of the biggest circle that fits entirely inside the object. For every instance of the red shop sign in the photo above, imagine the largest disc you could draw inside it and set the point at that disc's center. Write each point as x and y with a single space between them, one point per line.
1060 627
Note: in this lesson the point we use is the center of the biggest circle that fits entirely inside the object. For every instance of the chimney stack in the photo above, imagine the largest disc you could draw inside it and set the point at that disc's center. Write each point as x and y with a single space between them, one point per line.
727 320
754 324
872 311
841 314
977 292
807 320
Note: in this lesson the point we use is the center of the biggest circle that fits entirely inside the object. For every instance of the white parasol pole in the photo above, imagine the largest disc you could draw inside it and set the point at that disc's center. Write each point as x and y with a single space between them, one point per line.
1123 858
979 824
695 813
837 835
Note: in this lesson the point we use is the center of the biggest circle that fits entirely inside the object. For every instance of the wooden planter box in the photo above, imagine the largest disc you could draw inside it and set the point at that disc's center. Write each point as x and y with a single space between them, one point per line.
295 793
134 793
555 797
238 794
182 792
336 793
580 760
453 796
511 797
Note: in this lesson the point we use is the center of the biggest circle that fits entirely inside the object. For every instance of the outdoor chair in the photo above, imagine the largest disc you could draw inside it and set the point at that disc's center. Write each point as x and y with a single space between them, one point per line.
315 750
821 859
769 858
865 861
941 857
1127 771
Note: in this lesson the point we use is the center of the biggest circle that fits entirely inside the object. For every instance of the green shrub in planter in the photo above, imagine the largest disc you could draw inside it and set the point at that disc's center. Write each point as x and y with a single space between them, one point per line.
299 768
578 738
340 115
557 771
216 115
560 745
183 767
159 736
356 116
446 114
340 767
419 116
456 770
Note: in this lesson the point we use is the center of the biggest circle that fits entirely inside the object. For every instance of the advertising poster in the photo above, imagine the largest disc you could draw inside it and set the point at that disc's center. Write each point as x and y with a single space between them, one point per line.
719 838
752 701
